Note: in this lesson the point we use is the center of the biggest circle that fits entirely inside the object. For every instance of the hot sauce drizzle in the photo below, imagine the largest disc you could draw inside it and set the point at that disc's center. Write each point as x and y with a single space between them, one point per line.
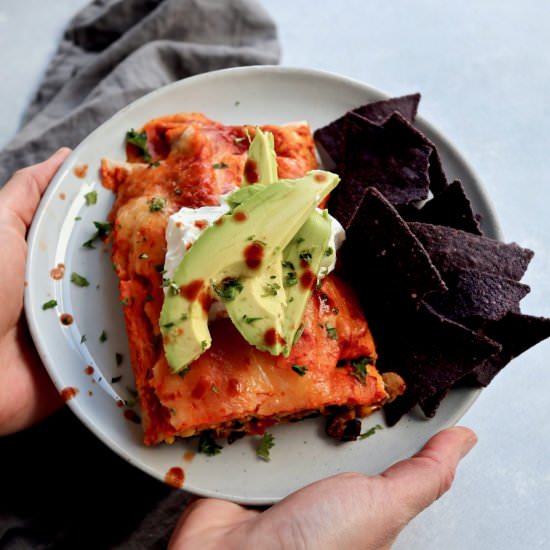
253 255
251 171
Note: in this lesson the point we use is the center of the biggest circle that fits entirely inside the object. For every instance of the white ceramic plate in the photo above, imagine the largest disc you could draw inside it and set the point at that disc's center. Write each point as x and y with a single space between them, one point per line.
302 452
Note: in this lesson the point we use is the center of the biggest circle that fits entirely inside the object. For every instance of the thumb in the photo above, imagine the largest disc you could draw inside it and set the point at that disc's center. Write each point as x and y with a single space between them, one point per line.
417 482
23 191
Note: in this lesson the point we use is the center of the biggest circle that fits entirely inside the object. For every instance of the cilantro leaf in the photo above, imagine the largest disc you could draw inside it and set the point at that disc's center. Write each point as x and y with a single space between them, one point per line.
360 368
299 369
228 289
140 141
49 304
79 280
266 444
370 432
207 444
91 198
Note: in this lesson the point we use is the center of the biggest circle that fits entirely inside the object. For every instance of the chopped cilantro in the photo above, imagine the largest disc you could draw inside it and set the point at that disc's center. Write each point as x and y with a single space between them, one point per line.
79 280
83 339
290 278
115 379
360 368
299 369
306 256
329 251
119 358
228 289
220 165
49 304
249 320
103 336
102 230
288 265
204 344
266 444
140 141
331 331
207 444
90 198
173 288
154 164
370 432
271 289
156 204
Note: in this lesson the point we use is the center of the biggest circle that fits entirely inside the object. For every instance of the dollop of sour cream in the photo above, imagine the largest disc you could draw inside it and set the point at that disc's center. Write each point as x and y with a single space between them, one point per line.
185 226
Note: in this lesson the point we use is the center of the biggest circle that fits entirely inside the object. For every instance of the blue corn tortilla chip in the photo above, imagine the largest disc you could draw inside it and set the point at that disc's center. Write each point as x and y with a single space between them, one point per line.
516 333
332 136
432 354
451 208
451 249
389 157
478 296
380 252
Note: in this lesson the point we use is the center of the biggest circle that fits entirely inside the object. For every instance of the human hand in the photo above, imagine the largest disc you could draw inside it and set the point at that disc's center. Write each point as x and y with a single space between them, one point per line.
344 511
26 392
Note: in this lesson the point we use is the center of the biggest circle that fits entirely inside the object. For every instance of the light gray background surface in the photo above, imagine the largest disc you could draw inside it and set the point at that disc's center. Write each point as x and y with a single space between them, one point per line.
483 69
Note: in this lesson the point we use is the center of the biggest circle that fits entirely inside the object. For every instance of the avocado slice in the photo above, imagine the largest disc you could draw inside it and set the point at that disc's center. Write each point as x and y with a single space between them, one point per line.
222 261
301 262
261 163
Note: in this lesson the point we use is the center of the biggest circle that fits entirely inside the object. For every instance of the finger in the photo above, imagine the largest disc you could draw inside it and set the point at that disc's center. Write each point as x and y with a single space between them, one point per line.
420 480
23 191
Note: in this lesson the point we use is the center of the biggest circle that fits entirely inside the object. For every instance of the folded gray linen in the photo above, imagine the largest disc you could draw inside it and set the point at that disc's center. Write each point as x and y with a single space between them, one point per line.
60 486
115 51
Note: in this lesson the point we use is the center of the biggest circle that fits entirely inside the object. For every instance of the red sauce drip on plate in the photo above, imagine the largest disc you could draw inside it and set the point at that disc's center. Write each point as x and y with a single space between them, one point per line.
58 272
201 224
80 170
89 370
251 171
253 255
175 477
68 393
191 290
188 456
66 319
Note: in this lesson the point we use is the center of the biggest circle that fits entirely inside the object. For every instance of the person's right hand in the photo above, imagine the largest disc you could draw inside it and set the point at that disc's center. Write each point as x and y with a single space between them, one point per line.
347 511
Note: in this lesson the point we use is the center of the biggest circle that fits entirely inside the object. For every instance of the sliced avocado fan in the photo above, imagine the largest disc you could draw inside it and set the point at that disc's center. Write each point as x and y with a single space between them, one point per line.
237 256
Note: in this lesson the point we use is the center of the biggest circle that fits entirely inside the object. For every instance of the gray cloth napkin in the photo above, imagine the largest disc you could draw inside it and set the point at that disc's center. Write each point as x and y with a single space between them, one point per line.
60 487
115 51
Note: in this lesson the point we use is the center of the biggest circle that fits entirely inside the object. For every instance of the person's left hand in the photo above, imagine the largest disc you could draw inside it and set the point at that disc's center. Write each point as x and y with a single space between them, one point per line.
26 392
